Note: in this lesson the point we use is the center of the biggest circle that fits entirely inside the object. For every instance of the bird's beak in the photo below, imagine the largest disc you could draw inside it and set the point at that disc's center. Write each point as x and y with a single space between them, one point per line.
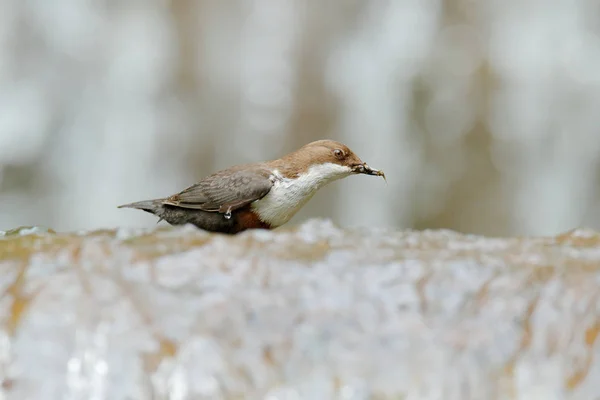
365 169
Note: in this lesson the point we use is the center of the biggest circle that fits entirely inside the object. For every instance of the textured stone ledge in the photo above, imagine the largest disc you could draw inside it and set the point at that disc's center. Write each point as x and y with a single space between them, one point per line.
312 313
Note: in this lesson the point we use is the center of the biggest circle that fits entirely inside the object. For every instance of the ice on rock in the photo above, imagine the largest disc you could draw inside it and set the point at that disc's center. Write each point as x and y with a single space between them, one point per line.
315 312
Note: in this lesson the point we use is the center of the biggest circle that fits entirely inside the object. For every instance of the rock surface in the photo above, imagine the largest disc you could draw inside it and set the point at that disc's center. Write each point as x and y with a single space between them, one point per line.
310 313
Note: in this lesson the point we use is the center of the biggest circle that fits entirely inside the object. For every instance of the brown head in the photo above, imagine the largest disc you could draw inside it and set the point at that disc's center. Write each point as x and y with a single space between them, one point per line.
329 156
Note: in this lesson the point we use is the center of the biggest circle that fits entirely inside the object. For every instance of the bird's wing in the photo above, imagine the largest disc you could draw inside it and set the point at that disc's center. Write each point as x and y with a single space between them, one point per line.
224 191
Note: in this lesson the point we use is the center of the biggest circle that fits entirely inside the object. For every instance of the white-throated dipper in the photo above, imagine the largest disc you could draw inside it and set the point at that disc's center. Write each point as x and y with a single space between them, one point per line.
262 195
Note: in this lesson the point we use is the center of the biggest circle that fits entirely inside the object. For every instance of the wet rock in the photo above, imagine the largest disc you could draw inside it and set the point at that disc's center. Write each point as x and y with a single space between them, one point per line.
309 313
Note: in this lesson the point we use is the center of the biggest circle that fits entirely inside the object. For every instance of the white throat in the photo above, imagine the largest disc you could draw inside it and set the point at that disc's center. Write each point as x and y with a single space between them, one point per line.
288 196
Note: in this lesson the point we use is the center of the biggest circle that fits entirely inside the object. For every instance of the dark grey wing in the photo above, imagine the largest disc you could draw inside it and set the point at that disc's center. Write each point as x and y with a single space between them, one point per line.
224 191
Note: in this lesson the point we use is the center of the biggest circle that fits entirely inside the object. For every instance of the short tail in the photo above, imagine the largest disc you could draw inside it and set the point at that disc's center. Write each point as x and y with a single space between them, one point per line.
151 206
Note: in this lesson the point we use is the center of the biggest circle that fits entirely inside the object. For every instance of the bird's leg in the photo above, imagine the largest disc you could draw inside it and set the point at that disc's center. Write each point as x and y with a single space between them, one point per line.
227 214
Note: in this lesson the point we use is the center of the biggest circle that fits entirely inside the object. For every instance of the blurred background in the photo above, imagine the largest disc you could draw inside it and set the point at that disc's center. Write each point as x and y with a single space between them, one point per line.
484 114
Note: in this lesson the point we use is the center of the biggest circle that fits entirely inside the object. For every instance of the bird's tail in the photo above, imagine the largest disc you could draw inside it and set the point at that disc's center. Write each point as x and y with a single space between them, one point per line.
151 206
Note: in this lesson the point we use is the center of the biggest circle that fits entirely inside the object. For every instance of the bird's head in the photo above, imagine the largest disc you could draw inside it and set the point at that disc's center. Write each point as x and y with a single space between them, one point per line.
329 159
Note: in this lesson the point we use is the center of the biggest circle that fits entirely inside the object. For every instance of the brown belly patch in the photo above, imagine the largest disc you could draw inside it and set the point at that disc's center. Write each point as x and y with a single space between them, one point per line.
248 219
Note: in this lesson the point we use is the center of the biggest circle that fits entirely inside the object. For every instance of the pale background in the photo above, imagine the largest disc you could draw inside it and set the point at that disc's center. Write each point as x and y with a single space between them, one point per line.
485 115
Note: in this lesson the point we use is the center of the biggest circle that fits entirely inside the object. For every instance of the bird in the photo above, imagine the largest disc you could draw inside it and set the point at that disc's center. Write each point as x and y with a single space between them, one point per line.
262 195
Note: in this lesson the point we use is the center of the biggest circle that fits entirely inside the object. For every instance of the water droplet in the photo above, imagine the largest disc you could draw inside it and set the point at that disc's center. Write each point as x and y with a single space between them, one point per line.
228 213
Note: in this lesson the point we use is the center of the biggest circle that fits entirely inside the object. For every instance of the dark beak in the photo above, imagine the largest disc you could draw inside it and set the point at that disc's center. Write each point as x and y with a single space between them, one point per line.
365 169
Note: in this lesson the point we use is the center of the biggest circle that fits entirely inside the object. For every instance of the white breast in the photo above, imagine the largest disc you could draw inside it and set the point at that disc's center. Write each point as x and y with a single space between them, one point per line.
288 196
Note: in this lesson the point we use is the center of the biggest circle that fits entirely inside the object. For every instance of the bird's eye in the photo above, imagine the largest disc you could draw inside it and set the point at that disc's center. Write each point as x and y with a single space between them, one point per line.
338 153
